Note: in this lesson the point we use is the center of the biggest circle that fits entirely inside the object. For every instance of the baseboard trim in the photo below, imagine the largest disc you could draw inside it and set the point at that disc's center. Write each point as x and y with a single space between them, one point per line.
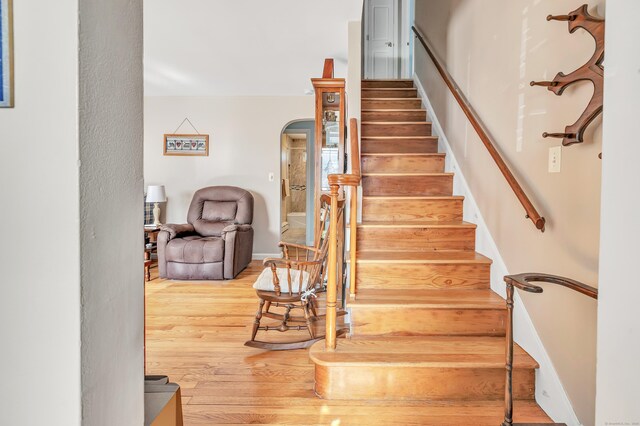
263 256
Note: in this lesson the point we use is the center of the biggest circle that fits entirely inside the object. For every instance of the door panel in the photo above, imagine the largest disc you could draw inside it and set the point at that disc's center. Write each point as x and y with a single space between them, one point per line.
381 39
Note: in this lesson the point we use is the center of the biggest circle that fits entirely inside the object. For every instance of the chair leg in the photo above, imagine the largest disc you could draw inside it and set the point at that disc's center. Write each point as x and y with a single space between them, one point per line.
307 316
256 322
312 306
285 318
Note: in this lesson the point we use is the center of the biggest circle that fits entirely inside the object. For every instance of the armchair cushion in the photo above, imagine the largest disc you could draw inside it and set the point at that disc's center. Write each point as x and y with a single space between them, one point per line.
265 280
195 249
219 211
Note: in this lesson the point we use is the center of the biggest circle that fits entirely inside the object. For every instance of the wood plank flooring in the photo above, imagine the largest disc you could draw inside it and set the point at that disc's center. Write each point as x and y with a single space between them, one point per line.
196 333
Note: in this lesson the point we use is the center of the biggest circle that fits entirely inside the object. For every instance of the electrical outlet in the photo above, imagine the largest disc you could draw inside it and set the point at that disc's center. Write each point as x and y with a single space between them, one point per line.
272 177
555 159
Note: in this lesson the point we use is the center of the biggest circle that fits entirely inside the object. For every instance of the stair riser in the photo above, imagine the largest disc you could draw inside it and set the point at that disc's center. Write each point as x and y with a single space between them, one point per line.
420 321
372 146
406 164
407 185
364 382
400 129
387 84
416 239
416 115
391 103
394 276
389 93
446 210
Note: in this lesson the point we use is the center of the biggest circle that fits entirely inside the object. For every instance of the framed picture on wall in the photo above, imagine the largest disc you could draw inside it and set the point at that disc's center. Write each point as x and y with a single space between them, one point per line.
186 145
6 54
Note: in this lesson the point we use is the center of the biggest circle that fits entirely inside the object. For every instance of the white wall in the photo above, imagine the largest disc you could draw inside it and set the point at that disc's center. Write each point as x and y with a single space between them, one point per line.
244 147
243 47
111 218
618 378
39 253
65 293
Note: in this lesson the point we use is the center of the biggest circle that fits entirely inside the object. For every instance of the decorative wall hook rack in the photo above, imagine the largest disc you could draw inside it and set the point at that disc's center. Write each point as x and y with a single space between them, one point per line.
592 71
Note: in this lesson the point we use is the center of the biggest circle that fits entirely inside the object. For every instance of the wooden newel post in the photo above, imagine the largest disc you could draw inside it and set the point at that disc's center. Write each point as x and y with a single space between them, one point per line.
332 285
508 389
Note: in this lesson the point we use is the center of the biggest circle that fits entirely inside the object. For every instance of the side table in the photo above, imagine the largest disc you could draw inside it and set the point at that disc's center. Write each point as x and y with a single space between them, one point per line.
151 247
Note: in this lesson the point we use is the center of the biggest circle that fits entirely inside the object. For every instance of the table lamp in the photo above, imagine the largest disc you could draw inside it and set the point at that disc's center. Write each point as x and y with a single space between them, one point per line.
156 194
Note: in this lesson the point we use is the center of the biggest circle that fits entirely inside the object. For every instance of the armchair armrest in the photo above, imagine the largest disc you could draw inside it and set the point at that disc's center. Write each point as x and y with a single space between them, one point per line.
235 228
238 249
174 230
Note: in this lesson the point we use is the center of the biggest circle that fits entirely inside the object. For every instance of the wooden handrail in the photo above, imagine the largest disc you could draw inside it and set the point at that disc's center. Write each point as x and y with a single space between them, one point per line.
355 147
483 133
353 207
523 282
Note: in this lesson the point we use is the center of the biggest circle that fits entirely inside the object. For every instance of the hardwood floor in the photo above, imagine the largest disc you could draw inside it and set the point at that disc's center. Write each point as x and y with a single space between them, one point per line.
196 333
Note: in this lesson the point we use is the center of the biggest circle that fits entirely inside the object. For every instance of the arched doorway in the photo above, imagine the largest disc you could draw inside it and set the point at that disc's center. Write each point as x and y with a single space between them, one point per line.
297 181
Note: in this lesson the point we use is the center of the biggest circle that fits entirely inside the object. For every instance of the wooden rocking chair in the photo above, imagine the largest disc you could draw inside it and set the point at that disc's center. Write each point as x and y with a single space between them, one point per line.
293 283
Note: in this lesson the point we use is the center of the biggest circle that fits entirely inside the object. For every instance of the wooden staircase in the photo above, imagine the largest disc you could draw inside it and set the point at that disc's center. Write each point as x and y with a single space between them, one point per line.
425 325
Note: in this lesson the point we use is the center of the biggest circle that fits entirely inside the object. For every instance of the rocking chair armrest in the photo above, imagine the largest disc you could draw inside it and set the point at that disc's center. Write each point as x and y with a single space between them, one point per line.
299 247
289 263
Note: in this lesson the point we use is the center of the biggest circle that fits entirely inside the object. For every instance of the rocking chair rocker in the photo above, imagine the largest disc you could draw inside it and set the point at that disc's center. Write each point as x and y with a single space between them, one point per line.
293 283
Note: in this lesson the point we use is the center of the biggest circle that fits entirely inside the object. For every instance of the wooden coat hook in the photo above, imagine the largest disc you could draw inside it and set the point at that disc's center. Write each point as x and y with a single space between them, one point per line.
592 71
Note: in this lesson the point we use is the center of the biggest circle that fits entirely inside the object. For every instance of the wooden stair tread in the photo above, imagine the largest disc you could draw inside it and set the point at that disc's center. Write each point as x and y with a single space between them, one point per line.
407 174
398 137
445 257
393 99
404 154
387 88
415 224
414 197
387 79
394 109
422 351
392 123
436 299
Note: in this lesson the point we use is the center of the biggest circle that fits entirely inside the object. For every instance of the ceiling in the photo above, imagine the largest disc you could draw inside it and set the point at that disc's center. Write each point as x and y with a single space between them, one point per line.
243 47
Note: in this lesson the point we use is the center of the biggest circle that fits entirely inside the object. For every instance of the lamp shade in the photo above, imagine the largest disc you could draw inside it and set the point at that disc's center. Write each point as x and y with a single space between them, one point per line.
156 194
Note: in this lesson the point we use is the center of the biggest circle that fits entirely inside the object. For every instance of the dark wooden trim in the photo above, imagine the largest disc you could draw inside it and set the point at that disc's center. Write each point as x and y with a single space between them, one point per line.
344 180
355 147
523 282
483 133
327 72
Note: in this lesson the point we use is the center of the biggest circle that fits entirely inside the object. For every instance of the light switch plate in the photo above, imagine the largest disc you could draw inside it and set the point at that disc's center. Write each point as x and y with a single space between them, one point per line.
555 159
272 177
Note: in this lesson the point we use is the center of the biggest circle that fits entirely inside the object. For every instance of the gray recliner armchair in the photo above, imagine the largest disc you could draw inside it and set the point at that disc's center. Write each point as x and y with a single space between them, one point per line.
217 241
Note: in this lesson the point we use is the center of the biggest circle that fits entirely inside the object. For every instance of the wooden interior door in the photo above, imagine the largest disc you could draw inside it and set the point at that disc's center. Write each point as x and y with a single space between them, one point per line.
381 39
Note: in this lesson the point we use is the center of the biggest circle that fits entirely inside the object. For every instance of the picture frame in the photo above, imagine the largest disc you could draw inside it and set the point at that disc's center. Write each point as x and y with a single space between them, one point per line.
186 145
6 54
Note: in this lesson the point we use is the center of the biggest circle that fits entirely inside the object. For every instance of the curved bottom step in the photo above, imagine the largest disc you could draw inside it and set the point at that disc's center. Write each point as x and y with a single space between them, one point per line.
420 368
